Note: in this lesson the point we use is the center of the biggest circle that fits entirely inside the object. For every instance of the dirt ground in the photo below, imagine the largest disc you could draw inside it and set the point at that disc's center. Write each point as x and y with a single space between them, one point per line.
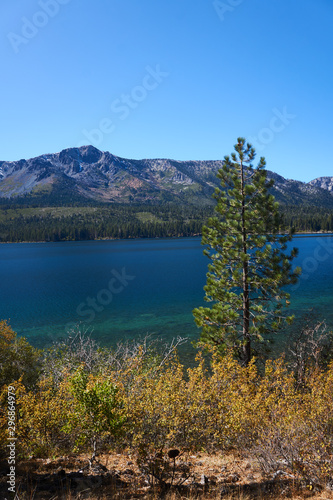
118 476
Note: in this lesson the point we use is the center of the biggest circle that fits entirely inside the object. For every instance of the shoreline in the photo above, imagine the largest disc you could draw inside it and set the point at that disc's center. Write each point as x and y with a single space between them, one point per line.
301 234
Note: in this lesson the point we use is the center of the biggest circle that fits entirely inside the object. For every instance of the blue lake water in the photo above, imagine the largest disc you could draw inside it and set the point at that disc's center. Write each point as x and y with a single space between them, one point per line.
122 289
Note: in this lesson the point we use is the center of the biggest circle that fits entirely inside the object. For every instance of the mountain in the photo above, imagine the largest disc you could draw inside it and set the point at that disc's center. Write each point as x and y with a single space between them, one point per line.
323 182
291 192
88 175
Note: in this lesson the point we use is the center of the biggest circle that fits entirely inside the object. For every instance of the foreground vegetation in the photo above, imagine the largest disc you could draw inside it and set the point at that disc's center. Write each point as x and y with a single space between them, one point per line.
79 398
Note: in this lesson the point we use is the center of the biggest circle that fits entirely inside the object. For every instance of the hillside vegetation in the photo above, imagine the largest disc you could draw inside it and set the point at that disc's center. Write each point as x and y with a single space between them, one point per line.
65 223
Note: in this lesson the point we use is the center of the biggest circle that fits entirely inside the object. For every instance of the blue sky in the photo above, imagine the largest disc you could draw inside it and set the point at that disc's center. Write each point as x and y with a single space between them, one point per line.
180 79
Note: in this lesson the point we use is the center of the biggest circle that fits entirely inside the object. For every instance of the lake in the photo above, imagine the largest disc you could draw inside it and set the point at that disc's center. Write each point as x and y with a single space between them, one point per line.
121 289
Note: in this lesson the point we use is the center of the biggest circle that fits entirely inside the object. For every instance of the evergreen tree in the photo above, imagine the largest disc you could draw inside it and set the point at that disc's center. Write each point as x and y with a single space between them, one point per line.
248 267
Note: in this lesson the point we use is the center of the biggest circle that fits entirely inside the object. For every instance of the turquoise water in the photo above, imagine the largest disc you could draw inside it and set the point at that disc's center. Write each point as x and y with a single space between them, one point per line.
122 289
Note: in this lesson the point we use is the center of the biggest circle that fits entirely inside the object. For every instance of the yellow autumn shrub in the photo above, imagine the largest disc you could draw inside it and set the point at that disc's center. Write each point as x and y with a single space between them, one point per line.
215 405
199 410
18 359
42 414
10 397
295 433
153 401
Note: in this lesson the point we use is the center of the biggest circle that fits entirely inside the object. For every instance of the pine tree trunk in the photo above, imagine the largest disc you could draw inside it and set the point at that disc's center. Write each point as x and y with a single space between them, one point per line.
246 297
246 317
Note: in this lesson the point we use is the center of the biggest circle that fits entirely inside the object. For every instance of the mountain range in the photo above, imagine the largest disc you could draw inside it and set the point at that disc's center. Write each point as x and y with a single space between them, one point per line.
88 175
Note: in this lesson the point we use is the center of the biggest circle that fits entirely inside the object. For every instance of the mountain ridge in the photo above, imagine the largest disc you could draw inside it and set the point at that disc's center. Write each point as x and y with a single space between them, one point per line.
91 175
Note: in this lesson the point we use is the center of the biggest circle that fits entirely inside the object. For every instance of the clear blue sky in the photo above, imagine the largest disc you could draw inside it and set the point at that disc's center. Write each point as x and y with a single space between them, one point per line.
177 79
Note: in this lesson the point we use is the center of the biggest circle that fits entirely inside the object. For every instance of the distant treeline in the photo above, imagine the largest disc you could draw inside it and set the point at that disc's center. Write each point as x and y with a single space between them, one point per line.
70 223
308 219
86 223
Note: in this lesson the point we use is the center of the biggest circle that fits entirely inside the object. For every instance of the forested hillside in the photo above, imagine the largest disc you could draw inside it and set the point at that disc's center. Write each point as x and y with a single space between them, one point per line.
89 223
122 221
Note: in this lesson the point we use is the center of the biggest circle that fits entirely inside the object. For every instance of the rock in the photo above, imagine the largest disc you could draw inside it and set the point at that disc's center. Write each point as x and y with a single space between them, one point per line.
204 479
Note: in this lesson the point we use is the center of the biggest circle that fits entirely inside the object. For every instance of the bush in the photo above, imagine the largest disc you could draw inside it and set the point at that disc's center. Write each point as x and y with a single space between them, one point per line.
140 398
18 359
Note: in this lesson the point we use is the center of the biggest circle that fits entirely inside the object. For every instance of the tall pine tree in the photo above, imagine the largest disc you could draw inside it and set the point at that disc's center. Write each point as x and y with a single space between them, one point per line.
248 267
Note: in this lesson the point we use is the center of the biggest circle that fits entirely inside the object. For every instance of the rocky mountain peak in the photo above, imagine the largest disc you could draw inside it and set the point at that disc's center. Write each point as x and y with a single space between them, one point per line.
86 173
323 183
